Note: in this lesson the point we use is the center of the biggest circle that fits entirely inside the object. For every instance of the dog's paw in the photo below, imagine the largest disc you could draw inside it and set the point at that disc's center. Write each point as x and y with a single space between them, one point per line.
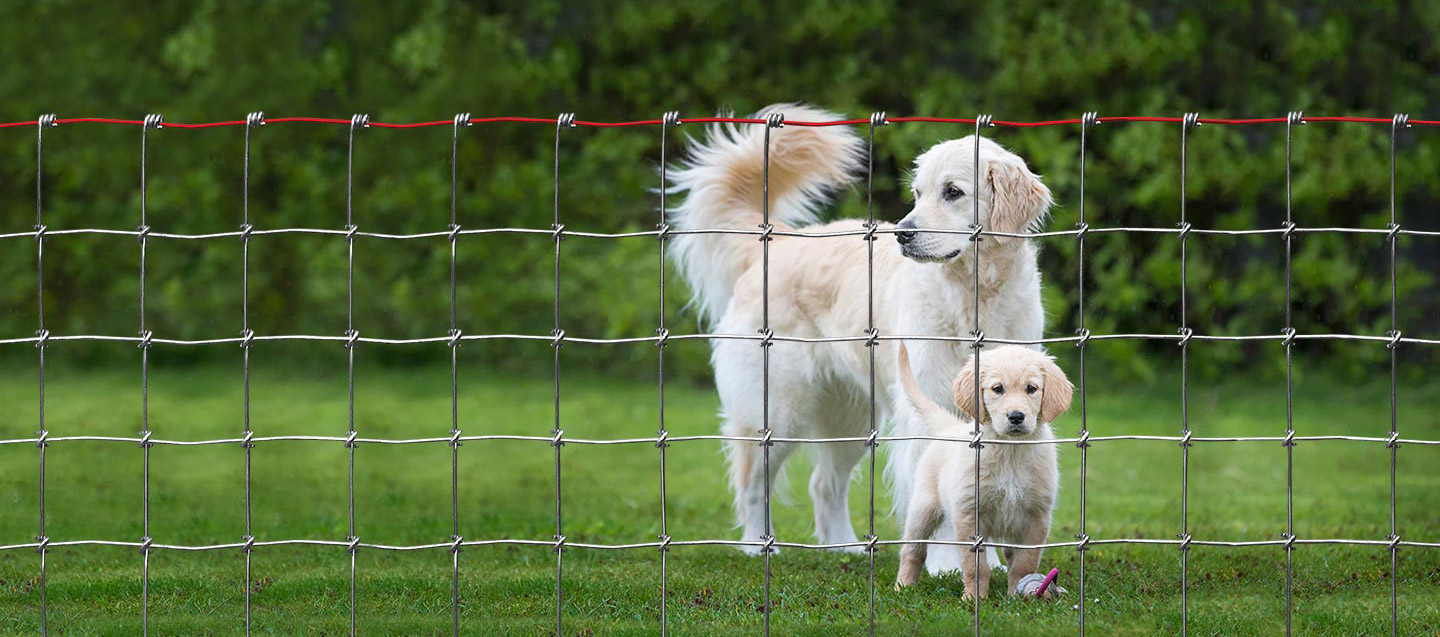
757 551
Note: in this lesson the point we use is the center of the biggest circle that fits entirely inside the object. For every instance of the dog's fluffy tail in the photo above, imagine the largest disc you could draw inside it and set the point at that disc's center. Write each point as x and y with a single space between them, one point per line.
723 181
934 416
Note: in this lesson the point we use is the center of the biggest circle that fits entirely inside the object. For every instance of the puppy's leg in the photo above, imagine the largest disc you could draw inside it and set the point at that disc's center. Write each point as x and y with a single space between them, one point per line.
974 565
924 515
830 492
1024 561
747 478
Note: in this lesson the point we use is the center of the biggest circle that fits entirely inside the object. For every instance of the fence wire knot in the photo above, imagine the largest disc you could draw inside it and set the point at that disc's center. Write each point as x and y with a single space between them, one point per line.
455 336
44 546
979 340
359 120
40 229
245 230
670 118
872 337
462 119
1288 230
1289 334
1184 541
145 440
1185 335
557 337
455 541
871 543
145 338
977 542
154 120
47 120
769 545
142 233
1394 339
455 439
247 337
766 336
975 439
775 120
247 441
454 233
1084 539
557 232
767 231
664 542
985 121
1081 229
145 543
350 440
1185 440
1401 120
255 118
350 230
1184 229
1091 118
1394 542
1084 334
1289 538
874 439
878 119
870 229
975 231
1289 438
1191 120
354 546
664 232
565 120
249 543
41 338
662 336
352 337
559 543
44 434
662 440
1295 118
558 439
1394 231
765 437
1394 441
1084 441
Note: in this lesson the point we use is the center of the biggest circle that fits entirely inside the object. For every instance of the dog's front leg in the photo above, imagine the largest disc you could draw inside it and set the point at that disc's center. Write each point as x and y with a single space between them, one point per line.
1024 561
974 565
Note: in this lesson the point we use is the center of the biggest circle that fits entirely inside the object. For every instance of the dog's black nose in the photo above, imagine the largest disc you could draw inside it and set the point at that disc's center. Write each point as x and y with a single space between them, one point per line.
1015 417
904 232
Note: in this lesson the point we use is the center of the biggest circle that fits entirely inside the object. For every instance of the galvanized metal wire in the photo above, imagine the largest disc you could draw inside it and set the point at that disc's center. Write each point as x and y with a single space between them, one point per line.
247 439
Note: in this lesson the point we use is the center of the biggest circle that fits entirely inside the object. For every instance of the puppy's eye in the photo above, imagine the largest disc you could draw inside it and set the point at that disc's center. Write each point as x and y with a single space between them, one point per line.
1030 389
952 193
999 389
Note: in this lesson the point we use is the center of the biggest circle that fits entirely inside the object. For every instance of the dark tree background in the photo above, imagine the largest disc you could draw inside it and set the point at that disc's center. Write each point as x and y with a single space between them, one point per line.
209 60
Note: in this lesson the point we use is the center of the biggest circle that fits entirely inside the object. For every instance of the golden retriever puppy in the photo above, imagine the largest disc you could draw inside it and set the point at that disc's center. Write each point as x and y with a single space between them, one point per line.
1021 392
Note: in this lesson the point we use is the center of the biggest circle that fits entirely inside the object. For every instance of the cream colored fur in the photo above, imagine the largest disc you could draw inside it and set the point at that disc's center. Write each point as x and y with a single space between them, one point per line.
818 289
1022 391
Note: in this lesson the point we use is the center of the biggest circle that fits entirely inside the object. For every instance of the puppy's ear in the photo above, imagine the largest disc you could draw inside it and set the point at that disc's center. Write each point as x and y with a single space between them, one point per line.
1055 397
1020 198
964 389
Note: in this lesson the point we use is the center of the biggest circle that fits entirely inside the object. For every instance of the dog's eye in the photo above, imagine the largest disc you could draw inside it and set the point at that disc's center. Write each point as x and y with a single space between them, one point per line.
952 193
999 389
1030 389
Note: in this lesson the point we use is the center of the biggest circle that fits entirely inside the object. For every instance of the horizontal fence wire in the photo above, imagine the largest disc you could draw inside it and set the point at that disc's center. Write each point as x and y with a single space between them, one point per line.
558 543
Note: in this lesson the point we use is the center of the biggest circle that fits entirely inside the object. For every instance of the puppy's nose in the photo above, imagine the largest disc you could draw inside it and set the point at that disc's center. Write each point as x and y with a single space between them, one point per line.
904 232
1016 417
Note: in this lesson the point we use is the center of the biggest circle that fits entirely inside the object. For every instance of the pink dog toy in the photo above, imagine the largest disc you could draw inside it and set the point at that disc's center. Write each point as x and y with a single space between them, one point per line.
1035 584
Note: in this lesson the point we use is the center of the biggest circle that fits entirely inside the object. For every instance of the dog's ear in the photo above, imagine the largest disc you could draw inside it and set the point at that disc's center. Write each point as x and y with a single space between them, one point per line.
1020 199
964 389
1055 397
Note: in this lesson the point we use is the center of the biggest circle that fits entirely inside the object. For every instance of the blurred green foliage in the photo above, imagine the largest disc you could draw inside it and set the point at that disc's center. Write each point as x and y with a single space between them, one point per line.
607 61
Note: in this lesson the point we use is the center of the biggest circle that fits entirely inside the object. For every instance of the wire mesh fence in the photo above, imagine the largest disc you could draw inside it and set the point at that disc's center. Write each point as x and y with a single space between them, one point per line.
247 437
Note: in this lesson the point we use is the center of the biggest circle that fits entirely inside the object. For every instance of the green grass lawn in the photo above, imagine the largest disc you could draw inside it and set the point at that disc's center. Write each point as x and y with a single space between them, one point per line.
611 495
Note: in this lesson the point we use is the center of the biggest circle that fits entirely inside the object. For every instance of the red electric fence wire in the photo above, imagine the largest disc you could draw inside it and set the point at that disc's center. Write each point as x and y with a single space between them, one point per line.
722 120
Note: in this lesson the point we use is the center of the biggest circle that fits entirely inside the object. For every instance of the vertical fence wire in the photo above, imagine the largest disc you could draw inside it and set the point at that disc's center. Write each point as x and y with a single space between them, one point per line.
1190 119
461 120
1399 122
561 122
45 121
357 121
251 121
773 120
1295 118
151 121
978 544
876 119
1086 121
671 118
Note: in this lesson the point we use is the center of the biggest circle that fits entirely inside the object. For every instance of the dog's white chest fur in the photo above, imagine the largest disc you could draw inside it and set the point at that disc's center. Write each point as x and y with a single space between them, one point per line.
1017 482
